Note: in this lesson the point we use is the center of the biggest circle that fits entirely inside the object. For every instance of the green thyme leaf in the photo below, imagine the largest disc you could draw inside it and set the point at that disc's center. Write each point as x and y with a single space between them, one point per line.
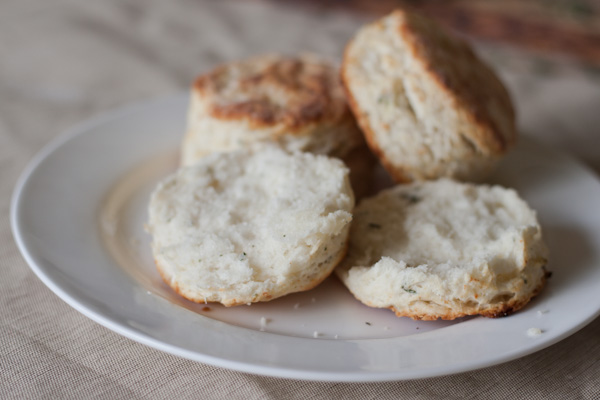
409 290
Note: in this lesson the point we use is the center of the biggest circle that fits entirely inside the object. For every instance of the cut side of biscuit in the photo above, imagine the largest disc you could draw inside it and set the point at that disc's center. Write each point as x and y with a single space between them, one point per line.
442 249
250 226
297 103
429 107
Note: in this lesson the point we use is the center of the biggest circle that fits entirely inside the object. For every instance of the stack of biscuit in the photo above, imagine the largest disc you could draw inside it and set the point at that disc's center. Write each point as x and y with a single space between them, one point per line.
295 103
277 148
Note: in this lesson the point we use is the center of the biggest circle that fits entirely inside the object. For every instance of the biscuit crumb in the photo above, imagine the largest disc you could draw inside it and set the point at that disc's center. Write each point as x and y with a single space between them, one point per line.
263 323
313 300
534 332
540 313
335 337
296 306
386 328
316 334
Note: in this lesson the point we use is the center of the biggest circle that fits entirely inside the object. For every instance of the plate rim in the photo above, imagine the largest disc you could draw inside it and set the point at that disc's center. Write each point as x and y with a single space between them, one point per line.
84 128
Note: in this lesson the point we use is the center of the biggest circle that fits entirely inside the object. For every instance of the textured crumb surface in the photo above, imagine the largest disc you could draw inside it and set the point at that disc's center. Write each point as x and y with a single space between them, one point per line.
443 249
428 106
250 226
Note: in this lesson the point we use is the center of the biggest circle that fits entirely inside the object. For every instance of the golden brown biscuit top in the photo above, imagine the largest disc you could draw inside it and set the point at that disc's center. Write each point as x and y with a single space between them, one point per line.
274 90
458 71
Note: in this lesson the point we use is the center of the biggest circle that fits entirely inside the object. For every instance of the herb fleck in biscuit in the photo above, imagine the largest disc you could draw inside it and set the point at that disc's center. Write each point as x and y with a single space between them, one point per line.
428 106
442 249
250 226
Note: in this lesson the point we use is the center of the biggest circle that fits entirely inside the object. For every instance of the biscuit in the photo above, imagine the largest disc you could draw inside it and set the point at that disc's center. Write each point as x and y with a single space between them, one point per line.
442 249
297 103
429 107
249 226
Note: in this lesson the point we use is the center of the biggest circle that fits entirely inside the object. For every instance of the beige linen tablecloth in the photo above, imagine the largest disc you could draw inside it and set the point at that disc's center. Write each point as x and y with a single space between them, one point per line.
63 61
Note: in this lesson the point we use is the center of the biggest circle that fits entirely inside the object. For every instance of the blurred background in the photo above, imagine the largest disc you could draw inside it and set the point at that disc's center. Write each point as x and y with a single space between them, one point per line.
566 29
66 60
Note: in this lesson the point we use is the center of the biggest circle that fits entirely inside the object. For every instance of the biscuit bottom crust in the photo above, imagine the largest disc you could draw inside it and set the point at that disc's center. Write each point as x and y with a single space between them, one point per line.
495 311
258 297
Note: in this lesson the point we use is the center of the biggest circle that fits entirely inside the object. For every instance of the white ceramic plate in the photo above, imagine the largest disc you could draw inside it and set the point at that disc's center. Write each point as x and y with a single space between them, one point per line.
78 213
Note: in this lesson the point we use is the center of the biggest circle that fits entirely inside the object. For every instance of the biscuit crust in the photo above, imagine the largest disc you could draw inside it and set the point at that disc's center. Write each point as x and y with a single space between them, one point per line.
458 71
456 117
232 301
274 90
496 311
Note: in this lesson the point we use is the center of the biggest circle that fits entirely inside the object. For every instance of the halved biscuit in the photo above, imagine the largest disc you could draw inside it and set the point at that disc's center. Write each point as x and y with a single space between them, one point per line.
297 103
429 107
442 249
250 226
